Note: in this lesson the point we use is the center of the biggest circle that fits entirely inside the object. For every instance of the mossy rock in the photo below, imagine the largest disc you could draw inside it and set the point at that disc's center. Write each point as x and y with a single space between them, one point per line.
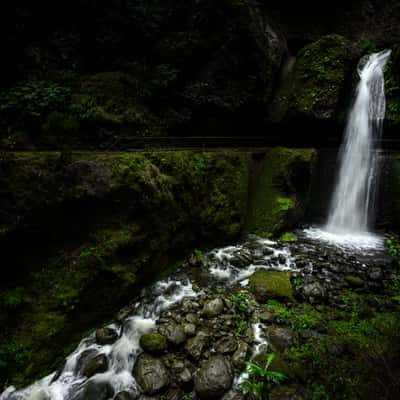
280 190
354 281
153 343
266 285
314 86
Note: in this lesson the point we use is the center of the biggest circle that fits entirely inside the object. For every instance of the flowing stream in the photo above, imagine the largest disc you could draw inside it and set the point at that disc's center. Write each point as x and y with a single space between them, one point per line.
352 205
221 267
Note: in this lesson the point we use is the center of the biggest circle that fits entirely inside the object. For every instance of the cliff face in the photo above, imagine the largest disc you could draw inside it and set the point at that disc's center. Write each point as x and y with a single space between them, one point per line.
87 73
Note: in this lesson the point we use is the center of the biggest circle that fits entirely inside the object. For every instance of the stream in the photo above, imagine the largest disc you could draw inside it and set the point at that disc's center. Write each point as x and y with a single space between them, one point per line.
195 310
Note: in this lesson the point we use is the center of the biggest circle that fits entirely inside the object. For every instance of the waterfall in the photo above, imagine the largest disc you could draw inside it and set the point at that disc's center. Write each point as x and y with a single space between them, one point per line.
353 197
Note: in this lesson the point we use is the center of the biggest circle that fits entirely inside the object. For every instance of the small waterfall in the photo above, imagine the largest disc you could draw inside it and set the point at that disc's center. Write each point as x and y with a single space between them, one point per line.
353 197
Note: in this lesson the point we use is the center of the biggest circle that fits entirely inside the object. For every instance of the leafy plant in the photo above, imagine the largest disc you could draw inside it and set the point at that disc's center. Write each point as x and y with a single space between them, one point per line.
33 99
240 300
261 378
393 247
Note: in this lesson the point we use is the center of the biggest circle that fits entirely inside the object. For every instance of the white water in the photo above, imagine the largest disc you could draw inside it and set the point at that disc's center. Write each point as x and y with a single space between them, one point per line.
353 196
352 204
144 317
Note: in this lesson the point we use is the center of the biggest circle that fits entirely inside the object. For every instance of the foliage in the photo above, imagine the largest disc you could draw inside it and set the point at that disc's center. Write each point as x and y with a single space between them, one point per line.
393 247
12 299
240 300
261 378
288 236
33 99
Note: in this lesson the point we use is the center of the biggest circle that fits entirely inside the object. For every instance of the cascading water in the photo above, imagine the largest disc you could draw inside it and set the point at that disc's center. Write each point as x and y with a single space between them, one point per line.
352 203
354 192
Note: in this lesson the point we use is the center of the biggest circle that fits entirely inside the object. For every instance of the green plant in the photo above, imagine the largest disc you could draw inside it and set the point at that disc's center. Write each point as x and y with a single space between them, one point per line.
33 99
12 299
241 326
240 300
393 247
261 378
198 253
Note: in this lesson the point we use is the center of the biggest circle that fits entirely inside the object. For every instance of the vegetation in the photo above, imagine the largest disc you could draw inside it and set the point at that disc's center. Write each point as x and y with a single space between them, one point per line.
261 378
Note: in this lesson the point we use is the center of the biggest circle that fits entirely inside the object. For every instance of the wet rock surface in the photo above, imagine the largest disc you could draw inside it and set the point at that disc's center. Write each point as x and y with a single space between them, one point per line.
214 378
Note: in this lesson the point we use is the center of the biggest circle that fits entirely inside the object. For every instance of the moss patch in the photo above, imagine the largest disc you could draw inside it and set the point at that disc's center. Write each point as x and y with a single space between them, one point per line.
271 285
280 190
314 86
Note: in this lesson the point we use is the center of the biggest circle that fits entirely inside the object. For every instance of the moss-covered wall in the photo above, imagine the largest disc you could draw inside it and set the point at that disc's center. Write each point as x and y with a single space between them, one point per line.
82 233
280 189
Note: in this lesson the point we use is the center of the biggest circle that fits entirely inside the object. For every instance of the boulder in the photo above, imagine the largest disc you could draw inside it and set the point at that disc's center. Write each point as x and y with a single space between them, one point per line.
151 374
125 395
198 344
106 336
153 343
96 390
214 378
240 355
226 345
267 285
174 333
280 338
214 307
91 363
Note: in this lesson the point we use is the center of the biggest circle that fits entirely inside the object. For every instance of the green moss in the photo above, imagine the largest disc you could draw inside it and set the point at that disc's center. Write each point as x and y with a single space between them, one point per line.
288 237
270 285
280 192
153 342
313 87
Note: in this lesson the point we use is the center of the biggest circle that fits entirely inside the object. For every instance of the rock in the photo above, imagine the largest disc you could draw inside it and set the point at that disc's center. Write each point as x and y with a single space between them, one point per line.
153 343
226 345
375 274
192 318
214 378
287 393
280 338
106 336
197 345
214 307
240 355
267 316
314 291
125 395
91 363
151 374
174 333
189 329
96 390
354 281
271 285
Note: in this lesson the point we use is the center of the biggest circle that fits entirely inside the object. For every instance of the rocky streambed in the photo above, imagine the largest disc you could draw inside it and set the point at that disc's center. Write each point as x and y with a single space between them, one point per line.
315 306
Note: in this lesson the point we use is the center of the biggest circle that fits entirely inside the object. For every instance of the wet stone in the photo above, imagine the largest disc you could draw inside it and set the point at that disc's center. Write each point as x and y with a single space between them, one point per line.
106 336
197 345
214 378
280 338
174 333
96 390
226 345
240 355
125 395
91 363
189 329
151 374
214 307
153 343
